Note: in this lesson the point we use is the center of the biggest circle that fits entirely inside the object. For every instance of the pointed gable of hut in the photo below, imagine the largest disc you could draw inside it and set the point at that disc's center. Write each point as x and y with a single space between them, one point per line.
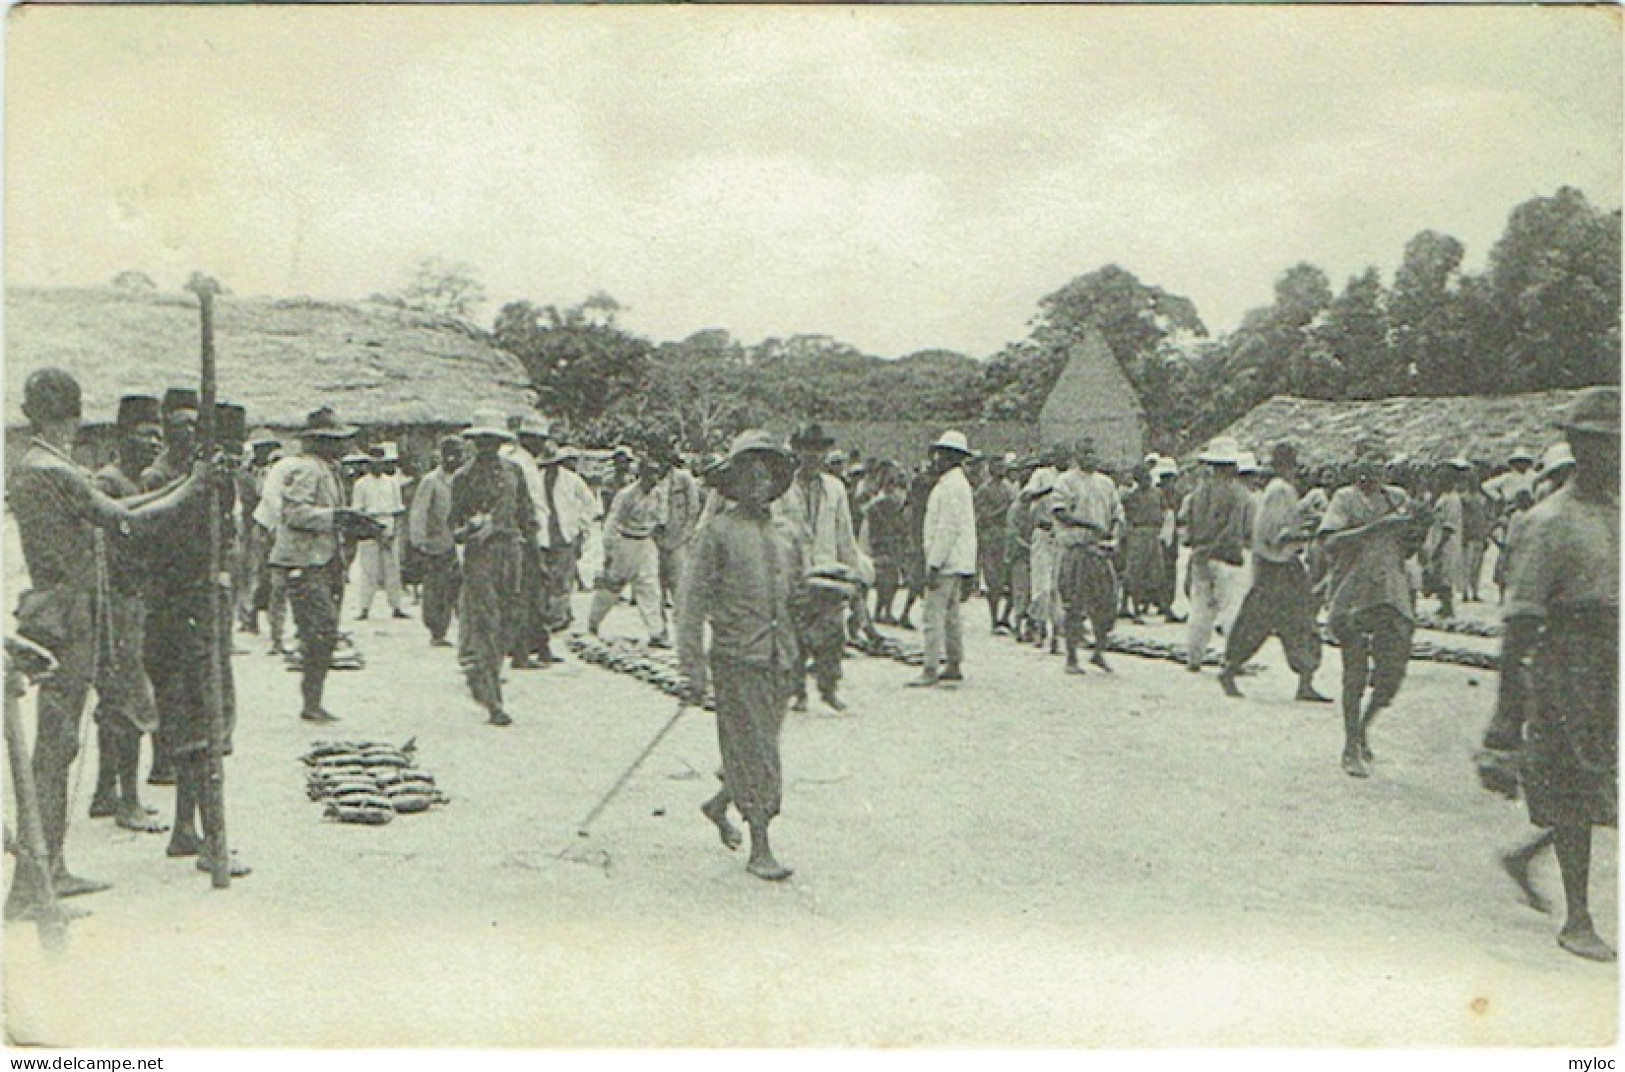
1094 399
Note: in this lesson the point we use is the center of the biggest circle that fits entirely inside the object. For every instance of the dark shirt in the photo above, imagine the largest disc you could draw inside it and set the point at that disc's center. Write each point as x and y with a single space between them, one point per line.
743 569
888 528
494 486
127 567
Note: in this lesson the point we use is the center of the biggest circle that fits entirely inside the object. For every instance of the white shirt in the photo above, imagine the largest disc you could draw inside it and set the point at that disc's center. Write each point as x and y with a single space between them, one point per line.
950 525
378 495
268 514
533 484
576 503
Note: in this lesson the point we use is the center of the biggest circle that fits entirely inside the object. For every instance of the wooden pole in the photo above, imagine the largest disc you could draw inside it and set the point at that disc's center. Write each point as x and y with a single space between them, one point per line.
31 852
214 815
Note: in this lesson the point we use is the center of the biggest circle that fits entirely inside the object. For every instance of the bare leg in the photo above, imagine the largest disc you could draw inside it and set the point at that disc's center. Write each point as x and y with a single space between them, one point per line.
762 863
1578 935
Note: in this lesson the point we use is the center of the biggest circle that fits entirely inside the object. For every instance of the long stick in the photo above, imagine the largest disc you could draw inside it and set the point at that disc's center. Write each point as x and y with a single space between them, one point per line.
581 830
214 815
52 923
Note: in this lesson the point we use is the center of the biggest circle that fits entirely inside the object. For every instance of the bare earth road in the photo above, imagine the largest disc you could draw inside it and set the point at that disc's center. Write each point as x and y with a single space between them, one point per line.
1026 860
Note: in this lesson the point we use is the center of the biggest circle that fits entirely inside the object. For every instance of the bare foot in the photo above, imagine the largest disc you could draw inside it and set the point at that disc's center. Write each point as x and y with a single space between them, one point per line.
238 868
766 867
1582 941
1517 868
67 885
1100 661
727 831
141 820
184 843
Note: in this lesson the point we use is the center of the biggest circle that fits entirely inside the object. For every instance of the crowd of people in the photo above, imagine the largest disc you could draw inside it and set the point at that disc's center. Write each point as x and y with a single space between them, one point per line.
759 566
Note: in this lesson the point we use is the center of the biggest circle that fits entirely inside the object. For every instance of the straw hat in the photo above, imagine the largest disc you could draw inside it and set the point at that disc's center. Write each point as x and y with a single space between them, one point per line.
1557 456
1222 450
780 462
1594 410
953 441
489 424
324 424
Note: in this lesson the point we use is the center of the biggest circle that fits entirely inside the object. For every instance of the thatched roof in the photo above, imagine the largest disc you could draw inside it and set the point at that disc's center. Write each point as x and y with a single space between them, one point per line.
374 363
1479 427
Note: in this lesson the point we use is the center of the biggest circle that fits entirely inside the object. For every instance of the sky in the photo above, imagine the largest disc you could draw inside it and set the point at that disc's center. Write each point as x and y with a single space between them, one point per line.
901 178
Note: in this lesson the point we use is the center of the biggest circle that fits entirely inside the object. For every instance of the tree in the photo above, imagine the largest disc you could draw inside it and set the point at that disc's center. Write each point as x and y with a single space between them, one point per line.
443 288
1135 318
1555 275
580 363
1350 355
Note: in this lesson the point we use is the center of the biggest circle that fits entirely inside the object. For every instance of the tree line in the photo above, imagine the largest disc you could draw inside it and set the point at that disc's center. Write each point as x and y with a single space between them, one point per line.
1543 314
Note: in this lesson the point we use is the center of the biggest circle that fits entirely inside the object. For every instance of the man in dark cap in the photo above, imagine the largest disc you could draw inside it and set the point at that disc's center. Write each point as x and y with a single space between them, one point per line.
180 439
1560 716
306 546
745 569
59 512
124 704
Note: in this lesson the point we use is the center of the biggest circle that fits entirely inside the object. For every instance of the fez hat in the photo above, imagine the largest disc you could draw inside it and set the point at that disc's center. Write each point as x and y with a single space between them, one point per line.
1594 411
180 404
230 424
811 437
780 464
50 394
324 424
136 410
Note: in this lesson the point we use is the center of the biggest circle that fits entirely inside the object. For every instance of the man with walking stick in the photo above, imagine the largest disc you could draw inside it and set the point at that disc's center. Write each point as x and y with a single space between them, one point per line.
741 575
58 512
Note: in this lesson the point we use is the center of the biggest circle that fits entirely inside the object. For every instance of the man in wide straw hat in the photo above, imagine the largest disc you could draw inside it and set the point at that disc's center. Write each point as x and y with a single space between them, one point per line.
1560 716
745 568
312 518
1216 515
492 517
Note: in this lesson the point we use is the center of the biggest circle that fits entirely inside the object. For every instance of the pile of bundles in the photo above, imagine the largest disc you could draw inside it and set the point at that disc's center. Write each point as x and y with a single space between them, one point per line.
346 656
657 668
912 652
1427 651
368 781
1459 626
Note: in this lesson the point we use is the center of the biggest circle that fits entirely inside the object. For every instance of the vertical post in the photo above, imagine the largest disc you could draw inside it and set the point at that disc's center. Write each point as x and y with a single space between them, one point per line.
31 834
214 825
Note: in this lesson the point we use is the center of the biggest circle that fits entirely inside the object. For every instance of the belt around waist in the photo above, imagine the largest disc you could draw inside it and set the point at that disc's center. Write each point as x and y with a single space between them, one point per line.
644 536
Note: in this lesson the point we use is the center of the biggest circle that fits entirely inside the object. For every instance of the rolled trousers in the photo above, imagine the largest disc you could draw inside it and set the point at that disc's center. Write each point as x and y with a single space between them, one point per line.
1280 603
1376 643
750 716
559 582
314 593
491 587
442 586
943 633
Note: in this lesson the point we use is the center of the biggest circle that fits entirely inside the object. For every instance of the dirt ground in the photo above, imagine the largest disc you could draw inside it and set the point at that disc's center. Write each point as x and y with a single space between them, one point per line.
1026 860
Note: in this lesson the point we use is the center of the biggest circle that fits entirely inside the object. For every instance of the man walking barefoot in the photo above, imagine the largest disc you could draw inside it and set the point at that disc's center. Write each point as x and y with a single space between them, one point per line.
743 570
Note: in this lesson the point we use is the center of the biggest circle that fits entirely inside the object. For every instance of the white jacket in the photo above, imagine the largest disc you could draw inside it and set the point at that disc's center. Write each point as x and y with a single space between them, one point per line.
577 505
950 525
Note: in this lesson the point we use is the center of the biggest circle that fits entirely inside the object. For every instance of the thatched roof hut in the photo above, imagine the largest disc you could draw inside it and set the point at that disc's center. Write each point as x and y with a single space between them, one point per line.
1482 428
379 366
1093 399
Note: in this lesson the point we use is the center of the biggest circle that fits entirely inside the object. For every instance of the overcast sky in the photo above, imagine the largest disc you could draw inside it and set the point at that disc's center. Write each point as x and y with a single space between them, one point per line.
900 178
